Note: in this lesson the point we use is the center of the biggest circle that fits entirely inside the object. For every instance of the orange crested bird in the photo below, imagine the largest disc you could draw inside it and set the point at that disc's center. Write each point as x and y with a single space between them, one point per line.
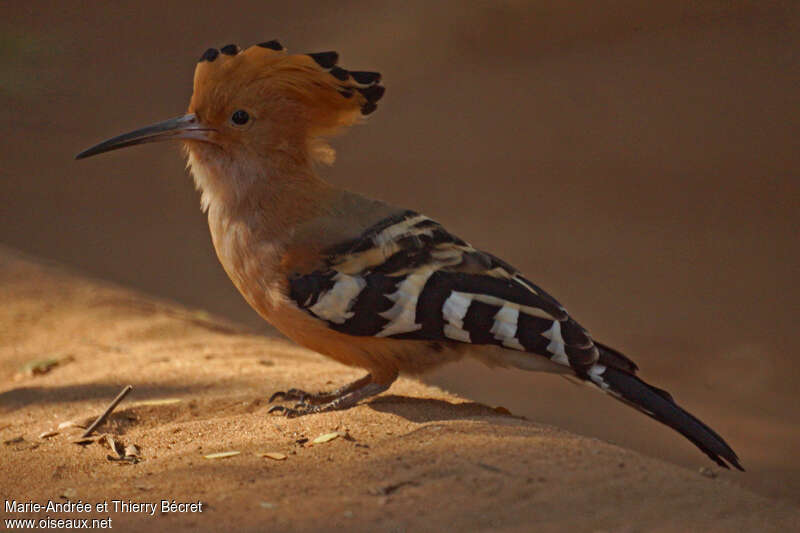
363 282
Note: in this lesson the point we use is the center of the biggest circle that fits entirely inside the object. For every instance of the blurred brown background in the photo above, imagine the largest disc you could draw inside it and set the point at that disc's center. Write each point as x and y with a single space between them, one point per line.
640 162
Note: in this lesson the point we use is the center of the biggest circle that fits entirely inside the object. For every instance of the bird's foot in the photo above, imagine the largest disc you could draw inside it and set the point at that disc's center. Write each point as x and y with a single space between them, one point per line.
304 397
342 399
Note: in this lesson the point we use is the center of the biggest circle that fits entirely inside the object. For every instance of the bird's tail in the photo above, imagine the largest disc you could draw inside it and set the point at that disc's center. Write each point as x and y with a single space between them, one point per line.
658 404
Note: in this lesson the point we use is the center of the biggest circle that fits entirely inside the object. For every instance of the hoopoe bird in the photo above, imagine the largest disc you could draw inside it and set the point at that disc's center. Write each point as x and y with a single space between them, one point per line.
365 283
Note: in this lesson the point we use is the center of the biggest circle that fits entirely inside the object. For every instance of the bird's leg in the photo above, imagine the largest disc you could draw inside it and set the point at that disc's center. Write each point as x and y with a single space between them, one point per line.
342 398
320 397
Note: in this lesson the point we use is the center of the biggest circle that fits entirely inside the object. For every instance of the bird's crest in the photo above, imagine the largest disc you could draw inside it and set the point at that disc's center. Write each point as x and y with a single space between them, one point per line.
308 90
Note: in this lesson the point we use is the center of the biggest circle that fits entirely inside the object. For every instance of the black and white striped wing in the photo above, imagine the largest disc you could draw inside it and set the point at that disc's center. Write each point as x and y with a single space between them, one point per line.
408 278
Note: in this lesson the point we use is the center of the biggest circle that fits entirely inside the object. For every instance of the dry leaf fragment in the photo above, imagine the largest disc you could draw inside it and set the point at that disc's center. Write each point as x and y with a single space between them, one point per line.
43 366
48 434
40 366
158 401
327 437
111 443
130 455
389 489
71 424
277 456
132 450
221 455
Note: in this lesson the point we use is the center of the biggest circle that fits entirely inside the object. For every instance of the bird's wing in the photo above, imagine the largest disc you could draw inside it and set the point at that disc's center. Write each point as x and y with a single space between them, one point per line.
407 277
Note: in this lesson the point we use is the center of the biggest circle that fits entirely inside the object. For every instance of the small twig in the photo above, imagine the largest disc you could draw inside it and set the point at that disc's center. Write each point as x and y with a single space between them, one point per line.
111 406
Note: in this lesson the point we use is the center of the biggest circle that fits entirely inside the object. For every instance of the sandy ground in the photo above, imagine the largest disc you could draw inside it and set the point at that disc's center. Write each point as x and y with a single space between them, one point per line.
637 160
416 458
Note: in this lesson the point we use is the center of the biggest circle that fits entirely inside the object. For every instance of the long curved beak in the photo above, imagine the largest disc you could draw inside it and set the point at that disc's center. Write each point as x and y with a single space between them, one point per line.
184 127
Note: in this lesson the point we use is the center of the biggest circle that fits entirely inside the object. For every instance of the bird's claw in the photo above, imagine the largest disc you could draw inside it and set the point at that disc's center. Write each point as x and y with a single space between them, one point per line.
291 394
299 410
277 395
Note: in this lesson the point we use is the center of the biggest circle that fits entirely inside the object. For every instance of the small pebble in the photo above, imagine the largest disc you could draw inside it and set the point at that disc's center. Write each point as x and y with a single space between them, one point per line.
705 471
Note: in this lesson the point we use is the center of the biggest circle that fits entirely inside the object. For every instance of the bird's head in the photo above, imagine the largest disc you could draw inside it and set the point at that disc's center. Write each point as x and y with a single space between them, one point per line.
259 109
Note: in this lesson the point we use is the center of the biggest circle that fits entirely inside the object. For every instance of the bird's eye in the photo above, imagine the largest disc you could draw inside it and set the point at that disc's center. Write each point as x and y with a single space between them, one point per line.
240 117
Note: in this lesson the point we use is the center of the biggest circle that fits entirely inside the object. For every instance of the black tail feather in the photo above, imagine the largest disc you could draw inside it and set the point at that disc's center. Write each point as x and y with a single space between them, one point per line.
659 405
610 357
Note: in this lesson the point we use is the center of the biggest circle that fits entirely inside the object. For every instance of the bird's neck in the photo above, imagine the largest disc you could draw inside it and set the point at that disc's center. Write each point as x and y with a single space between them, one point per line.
254 208
245 180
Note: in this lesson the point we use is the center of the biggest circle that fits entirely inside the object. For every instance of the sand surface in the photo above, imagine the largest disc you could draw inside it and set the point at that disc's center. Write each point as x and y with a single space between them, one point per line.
415 458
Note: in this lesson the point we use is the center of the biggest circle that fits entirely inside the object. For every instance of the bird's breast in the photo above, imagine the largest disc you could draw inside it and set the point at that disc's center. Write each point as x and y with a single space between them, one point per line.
251 259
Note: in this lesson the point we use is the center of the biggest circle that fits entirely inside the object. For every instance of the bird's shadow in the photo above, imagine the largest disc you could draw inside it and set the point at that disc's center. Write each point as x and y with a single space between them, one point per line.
429 410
